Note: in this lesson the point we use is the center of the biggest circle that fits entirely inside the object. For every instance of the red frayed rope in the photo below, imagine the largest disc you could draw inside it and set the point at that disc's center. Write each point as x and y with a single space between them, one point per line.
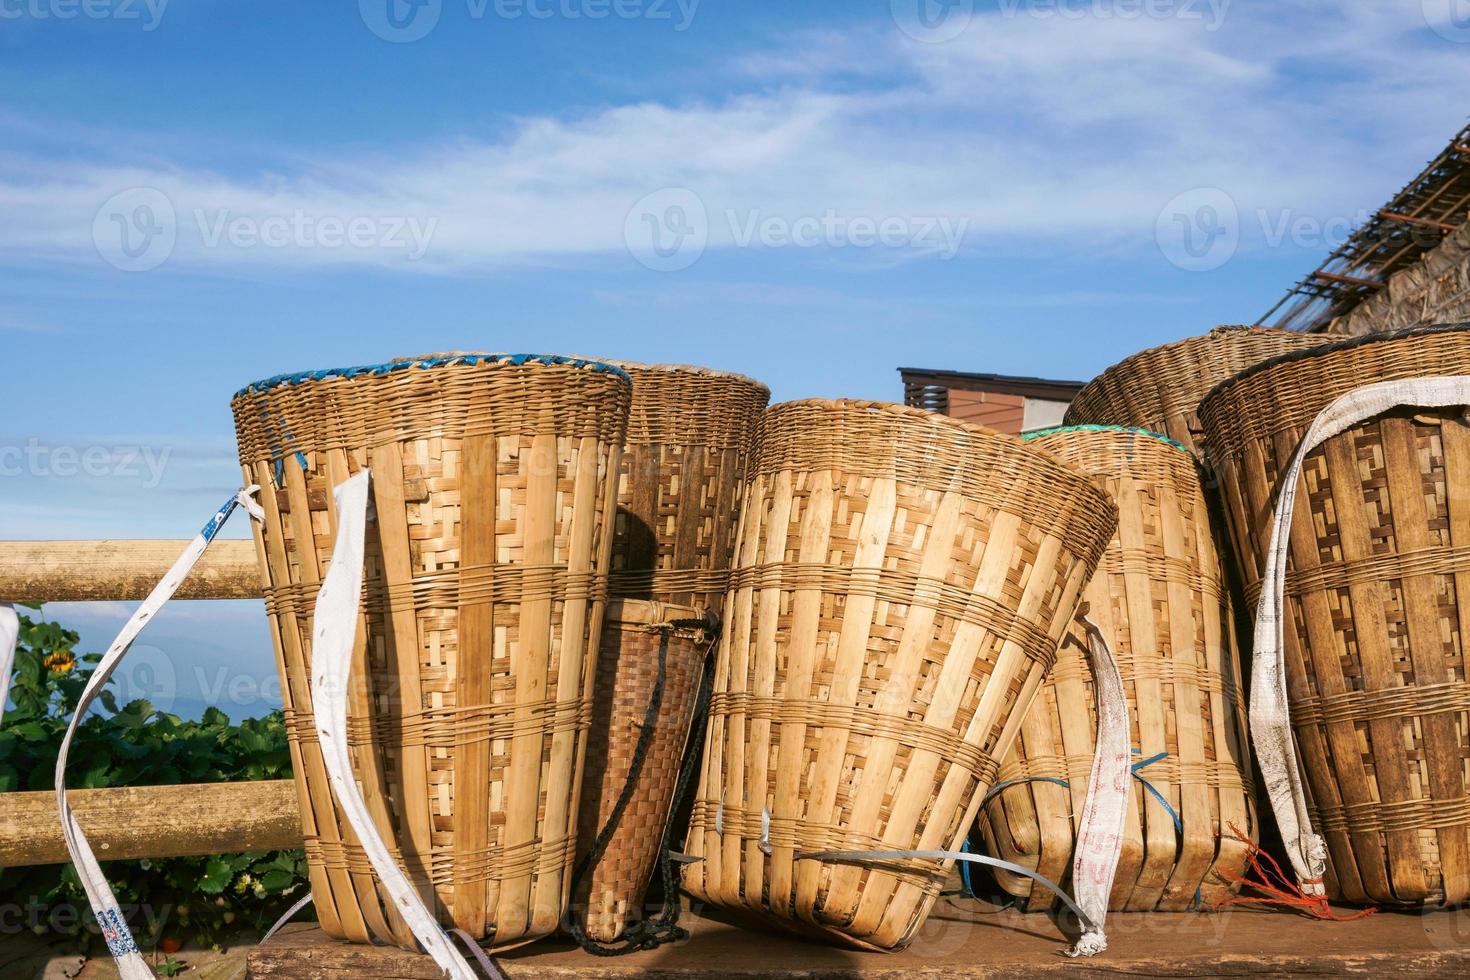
1277 890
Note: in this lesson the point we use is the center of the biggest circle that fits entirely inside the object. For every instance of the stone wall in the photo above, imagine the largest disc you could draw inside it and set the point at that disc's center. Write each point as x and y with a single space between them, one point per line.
1435 290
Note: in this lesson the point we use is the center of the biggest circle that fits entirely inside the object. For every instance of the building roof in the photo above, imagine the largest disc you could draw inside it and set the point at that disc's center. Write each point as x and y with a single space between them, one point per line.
1414 222
925 387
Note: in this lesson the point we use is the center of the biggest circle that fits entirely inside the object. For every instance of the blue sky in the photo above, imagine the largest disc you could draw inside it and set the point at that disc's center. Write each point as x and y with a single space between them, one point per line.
197 194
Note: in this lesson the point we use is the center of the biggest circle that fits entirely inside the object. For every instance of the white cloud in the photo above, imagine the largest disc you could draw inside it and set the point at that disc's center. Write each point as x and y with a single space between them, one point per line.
1042 132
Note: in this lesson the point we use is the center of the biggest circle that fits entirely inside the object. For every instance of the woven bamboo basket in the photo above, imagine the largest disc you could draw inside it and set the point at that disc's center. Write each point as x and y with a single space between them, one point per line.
494 481
1160 388
612 887
901 585
691 431
1375 623
1159 600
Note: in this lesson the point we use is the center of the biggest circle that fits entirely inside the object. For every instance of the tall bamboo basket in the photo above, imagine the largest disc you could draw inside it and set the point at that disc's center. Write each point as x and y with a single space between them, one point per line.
901 585
691 431
494 484
612 888
1375 620
1159 389
1158 598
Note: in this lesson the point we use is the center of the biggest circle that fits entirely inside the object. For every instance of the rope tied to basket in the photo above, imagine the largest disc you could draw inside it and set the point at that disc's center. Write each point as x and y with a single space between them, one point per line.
1153 790
662 928
1264 875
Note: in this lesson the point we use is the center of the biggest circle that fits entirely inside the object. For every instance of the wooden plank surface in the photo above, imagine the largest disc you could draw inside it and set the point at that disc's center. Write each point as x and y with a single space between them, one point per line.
961 939
60 571
153 821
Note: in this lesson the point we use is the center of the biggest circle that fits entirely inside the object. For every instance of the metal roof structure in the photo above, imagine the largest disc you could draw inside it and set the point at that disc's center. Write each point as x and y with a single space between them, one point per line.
1429 207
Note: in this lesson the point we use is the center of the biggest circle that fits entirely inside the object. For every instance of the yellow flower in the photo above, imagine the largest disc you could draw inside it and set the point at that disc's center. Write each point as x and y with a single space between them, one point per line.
59 662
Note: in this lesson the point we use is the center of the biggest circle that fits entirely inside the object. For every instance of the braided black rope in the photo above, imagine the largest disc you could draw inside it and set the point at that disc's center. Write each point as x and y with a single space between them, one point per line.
653 931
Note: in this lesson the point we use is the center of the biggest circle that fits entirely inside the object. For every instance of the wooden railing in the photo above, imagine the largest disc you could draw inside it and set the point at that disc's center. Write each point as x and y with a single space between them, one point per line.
141 821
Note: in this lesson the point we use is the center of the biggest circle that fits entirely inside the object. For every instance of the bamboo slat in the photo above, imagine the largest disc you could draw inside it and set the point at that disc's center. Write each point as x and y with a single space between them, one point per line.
1159 389
1375 619
902 582
83 571
493 491
129 822
1159 599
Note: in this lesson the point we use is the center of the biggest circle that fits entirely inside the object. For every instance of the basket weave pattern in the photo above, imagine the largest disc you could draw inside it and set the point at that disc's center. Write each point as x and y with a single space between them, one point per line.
690 435
627 672
901 584
1376 615
1159 599
493 490
1159 388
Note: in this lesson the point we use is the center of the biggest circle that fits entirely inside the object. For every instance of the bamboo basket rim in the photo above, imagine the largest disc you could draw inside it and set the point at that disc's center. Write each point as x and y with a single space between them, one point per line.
675 367
1106 377
1057 430
1328 348
1039 453
669 367
428 361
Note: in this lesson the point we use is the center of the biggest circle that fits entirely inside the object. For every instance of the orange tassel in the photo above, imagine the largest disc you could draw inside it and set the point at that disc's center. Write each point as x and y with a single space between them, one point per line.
1277 890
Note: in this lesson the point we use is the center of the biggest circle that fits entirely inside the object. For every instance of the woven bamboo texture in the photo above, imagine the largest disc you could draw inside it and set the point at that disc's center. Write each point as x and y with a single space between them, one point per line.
1159 389
1375 620
613 887
690 436
901 584
494 482
1158 597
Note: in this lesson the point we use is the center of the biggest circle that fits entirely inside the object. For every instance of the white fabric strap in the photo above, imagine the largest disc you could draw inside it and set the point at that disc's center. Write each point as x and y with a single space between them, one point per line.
334 629
9 637
1100 831
1270 717
130 963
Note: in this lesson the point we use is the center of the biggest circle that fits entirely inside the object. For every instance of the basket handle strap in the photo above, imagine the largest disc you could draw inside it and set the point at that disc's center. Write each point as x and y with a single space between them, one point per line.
1105 812
333 631
120 943
1270 717
9 637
